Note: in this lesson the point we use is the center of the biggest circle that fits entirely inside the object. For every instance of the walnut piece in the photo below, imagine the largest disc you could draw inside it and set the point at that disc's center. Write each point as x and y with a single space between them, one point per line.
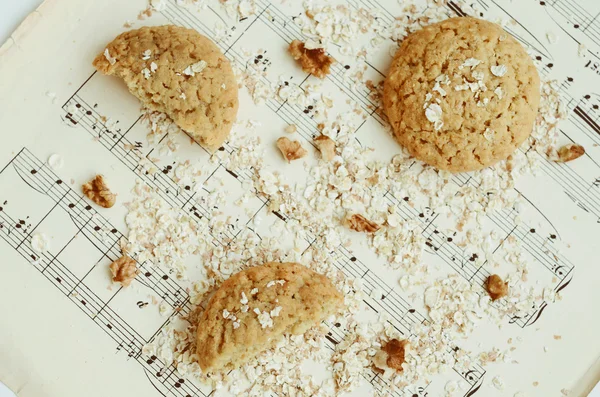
326 146
570 152
97 191
291 150
361 224
123 270
395 350
391 356
313 61
496 287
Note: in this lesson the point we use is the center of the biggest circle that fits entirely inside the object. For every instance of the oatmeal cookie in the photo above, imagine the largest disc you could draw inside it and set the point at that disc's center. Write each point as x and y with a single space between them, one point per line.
177 71
461 94
255 307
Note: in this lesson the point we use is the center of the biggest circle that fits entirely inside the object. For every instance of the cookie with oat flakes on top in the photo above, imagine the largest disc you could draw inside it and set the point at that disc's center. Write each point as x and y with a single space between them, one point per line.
179 72
461 94
251 311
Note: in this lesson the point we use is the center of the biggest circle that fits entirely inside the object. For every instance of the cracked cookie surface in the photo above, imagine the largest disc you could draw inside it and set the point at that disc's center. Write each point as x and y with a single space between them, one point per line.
177 71
461 94
252 309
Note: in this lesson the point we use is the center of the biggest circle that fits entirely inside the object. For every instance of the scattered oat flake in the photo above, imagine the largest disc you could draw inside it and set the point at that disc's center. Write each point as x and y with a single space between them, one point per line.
110 59
470 63
498 383
552 38
55 161
499 70
326 146
499 92
194 68
291 128
434 115
40 242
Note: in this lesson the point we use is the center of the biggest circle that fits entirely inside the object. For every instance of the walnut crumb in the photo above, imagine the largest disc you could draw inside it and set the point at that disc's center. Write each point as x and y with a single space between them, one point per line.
314 61
361 224
291 150
395 350
496 287
390 357
326 146
97 191
570 152
123 270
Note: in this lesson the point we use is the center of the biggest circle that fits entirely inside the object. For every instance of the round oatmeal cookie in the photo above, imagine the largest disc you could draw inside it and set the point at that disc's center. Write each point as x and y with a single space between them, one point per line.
461 94
177 71
251 311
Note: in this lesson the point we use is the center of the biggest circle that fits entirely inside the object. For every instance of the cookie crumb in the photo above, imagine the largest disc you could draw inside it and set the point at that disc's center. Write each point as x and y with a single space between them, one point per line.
291 150
123 270
359 223
291 128
326 146
496 287
557 337
570 152
314 61
97 191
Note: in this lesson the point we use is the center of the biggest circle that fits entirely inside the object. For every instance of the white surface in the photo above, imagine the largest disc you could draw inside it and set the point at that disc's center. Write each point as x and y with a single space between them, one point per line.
5 392
12 12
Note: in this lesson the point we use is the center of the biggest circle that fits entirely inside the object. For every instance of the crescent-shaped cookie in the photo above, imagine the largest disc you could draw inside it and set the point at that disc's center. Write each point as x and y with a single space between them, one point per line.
177 71
253 309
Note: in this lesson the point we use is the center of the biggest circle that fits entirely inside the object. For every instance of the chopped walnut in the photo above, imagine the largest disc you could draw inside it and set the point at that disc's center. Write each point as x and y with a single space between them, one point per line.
97 191
291 150
570 152
361 224
496 287
326 146
391 356
123 270
395 349
313 61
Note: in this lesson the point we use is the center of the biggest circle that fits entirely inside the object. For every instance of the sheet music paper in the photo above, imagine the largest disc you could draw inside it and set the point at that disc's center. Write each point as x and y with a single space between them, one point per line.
66 330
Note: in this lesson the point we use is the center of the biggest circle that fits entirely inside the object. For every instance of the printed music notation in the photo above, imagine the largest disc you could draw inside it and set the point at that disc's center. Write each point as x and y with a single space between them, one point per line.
576 18
89 223
128 340
438 243
401 315
460 261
